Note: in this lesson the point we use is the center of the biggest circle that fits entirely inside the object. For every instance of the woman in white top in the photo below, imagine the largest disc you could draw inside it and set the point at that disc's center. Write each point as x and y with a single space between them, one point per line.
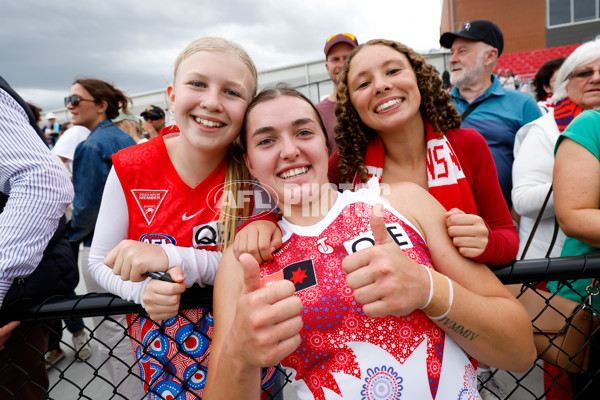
575 90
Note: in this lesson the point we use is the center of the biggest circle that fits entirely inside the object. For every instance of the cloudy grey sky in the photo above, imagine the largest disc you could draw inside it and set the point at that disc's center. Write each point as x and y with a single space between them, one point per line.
133 43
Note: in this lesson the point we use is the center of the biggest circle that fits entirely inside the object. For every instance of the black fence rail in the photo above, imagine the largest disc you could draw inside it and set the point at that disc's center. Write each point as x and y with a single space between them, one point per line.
112 371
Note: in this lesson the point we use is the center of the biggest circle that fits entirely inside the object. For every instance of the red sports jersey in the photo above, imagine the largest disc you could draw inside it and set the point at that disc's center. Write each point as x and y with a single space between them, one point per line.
163 209
343 352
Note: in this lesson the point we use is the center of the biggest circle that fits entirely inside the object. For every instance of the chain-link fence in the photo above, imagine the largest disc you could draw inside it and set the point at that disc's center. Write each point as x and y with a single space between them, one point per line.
112 371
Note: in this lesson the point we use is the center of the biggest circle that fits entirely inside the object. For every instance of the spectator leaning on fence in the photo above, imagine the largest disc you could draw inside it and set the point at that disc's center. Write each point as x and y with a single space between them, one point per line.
534 149
34 252
576 194
160 196
343 305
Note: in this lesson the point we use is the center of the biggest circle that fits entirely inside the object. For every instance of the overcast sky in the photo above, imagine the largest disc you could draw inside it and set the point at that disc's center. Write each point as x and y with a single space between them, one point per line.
45 44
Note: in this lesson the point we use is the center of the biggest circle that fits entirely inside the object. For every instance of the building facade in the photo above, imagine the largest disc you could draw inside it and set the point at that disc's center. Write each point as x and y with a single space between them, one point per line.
530 24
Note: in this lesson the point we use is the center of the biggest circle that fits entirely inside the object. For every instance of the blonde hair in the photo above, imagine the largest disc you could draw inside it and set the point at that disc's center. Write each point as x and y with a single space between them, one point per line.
237 177
218 45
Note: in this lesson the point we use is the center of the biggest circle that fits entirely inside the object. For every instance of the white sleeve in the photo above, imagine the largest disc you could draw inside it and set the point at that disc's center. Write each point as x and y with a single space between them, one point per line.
111 229
532 171
37 193
199 266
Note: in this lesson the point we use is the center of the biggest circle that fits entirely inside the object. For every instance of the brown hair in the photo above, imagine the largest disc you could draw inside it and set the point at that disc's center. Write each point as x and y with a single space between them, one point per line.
543 75
352 135
104 91
270 93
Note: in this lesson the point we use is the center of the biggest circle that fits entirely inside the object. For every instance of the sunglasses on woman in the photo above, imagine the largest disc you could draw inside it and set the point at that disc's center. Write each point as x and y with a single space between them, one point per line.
74 100
584 73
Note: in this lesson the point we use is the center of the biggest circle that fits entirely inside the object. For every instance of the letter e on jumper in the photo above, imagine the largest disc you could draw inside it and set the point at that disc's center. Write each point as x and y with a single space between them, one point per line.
395 230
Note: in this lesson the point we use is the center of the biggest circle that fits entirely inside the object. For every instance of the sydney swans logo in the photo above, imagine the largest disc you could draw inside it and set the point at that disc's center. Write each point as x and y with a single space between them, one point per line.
236 195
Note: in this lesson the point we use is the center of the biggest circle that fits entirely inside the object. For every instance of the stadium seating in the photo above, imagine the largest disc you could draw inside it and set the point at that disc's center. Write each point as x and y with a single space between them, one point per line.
526 63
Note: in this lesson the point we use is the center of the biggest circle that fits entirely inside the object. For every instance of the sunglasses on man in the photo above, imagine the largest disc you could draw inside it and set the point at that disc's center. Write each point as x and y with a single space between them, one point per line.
348 35
74 100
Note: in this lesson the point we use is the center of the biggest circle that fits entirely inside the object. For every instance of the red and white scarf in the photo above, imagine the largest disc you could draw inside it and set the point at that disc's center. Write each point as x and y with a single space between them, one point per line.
445 176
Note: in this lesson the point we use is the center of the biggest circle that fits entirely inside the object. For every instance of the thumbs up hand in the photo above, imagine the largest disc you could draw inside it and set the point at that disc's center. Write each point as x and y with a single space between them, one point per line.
384 279
267 321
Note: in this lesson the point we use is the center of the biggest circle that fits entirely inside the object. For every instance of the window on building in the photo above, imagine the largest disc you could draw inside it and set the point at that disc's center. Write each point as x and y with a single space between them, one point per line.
584 10
560 11
563 12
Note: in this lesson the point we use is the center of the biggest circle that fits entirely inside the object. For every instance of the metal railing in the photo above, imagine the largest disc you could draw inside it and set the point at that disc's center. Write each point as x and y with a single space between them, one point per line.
91 379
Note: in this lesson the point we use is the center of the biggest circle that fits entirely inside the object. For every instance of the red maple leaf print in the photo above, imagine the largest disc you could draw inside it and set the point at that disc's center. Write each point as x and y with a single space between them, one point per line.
298 276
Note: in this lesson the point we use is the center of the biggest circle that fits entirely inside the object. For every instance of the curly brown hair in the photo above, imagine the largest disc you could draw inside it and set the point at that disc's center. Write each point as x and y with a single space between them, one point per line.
353 135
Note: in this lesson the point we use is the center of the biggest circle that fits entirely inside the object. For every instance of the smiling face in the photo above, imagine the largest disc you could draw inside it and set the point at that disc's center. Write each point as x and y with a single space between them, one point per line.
383 89
87 113
335 60
209 97
287 150
585 90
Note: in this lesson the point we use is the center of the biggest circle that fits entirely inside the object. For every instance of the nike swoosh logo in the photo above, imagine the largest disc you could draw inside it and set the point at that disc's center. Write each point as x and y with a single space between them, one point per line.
185 217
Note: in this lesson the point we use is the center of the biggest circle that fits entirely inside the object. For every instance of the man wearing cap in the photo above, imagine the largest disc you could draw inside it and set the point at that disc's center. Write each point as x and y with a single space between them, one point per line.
336 50
51 129
154 120
130 124
487 107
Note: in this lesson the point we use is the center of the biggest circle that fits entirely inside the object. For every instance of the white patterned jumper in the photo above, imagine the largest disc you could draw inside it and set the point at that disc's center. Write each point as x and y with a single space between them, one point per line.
345 354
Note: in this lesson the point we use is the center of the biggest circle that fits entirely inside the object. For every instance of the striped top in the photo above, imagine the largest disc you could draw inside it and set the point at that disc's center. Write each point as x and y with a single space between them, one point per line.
38 189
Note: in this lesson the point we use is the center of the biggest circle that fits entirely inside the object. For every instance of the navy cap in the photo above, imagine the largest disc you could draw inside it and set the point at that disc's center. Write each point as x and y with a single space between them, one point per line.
479 30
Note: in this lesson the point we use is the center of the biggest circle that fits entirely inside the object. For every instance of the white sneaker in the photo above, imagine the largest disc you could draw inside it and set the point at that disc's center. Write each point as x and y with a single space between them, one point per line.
83 351
53 357
489 388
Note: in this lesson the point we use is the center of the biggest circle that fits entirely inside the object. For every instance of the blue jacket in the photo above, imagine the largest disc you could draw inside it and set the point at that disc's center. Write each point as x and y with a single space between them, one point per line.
500 115
91 164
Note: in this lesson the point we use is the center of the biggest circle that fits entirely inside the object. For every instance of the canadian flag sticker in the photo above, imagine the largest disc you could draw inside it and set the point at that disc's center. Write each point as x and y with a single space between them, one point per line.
149 201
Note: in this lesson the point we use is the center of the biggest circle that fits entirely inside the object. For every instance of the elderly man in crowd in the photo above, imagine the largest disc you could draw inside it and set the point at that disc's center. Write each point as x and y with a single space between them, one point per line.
495 112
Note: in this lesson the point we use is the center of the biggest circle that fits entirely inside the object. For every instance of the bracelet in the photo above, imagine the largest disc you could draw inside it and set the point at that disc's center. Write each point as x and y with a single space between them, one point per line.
442 299
430 287
450 300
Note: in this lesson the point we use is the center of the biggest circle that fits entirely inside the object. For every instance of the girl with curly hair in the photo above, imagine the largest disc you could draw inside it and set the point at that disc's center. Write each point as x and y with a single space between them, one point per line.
396 122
